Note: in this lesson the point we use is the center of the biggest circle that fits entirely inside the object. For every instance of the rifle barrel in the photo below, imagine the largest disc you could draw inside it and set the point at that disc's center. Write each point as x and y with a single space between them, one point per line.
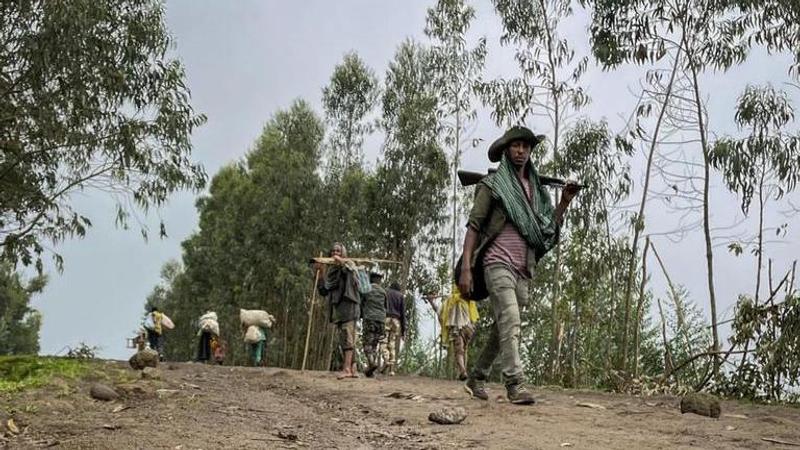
468 178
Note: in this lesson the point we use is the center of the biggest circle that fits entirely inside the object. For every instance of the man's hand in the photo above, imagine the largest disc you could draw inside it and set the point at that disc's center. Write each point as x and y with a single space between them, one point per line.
567 194
465 281
570 191
338 259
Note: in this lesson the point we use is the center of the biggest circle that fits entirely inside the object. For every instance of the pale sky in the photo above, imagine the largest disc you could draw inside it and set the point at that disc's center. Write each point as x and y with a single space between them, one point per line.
247 59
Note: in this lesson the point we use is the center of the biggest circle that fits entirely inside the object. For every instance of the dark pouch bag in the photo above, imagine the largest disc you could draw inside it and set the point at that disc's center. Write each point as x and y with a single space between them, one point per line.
479 290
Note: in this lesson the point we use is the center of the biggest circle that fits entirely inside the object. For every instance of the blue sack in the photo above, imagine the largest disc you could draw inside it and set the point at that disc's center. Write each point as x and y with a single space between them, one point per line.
362 281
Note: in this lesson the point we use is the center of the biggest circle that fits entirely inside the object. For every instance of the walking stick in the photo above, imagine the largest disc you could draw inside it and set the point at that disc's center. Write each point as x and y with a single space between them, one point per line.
310 318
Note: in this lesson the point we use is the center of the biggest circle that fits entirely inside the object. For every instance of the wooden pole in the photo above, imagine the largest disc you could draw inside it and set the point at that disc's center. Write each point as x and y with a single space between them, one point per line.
310 318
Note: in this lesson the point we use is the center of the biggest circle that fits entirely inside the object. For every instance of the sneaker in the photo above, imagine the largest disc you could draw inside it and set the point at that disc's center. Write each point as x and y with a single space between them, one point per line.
475 388
518 395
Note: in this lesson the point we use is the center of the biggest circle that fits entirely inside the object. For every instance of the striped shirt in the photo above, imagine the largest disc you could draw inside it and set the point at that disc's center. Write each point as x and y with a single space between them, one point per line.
509 247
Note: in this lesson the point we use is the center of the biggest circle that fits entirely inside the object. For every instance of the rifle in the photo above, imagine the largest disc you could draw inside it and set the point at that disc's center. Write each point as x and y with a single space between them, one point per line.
469 178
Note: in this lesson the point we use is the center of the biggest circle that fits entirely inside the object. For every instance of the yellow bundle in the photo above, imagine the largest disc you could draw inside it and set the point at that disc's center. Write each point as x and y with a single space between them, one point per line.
455 301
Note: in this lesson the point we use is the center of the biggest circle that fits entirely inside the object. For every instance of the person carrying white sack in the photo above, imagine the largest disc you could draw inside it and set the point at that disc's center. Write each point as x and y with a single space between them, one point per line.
208 333
255 325
155 323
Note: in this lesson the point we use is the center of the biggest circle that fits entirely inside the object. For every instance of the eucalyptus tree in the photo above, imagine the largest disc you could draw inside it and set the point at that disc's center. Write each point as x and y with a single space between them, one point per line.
19 321
600 161
347 101
254 240
456 70
90 98
408 197
763 165
698 35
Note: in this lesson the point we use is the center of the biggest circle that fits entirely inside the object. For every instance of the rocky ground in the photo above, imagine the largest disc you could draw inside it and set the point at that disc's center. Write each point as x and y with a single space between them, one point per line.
194 406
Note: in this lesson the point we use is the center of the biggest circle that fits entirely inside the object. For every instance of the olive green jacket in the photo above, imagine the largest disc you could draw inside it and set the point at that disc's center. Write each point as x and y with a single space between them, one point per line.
373 304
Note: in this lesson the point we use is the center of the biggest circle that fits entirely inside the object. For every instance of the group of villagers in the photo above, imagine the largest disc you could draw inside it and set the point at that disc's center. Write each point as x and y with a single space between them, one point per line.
513 223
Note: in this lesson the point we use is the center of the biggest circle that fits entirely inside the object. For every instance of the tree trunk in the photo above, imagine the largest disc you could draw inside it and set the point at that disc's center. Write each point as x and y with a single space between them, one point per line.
639 224
637 331
613 294
556 342
712 298
668 364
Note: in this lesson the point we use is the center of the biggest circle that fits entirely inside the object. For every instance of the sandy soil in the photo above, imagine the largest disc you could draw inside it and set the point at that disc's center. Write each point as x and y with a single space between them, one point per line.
196 406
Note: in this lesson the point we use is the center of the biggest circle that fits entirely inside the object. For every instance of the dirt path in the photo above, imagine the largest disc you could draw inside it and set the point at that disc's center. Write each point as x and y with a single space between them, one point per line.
204 407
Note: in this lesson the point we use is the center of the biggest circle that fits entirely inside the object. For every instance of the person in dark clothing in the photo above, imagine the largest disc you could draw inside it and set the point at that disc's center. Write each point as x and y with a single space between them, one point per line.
373 311
395 327
204 347
155 331
208 331
345 306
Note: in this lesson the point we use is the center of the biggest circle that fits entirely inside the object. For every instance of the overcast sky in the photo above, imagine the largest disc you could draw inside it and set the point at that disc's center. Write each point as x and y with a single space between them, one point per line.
247 59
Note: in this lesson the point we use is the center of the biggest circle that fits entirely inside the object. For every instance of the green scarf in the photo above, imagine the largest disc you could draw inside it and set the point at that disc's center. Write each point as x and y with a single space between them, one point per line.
536 220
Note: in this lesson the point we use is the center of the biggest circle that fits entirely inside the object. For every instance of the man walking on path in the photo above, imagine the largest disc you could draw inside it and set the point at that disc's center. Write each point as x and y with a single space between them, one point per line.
373 310
345 306
511 226
395 327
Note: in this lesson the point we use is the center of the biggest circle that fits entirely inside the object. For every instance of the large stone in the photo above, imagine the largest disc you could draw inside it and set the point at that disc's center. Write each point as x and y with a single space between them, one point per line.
448 416
144 358
102 392
702 404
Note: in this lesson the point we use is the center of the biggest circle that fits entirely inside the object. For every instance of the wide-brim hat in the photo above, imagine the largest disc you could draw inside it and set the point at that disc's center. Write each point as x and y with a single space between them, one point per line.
517 133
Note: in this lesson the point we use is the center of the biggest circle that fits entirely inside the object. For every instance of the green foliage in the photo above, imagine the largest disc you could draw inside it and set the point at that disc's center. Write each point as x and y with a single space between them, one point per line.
590 157
22 372
783 32
768 155
408 200
456 69
774 369
83 351
264 217
347 100
255 237
689 338
550 70
711 33
19 323
90 99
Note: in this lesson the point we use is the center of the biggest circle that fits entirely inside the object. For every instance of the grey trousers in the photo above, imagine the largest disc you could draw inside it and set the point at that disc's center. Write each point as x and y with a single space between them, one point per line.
507 291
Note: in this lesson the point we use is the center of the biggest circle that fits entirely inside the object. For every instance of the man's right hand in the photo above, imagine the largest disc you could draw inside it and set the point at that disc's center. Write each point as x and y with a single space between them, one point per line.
465 282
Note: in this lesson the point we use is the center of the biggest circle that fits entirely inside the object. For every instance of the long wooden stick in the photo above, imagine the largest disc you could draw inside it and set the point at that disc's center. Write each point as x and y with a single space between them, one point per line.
310 319
327 260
